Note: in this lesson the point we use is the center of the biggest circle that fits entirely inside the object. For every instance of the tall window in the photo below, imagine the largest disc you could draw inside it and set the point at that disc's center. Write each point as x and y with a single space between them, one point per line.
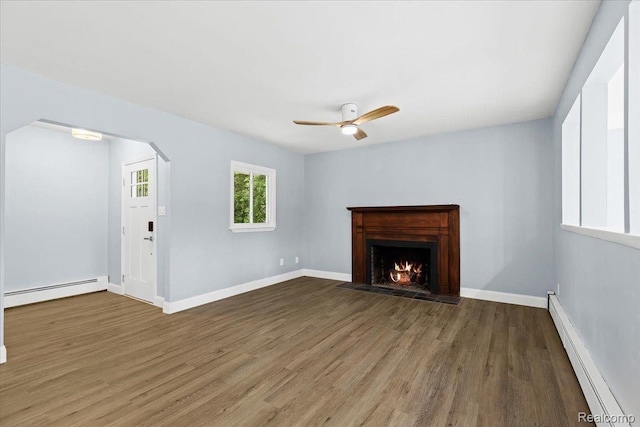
600 158
634 117
253 198
571 166
602 149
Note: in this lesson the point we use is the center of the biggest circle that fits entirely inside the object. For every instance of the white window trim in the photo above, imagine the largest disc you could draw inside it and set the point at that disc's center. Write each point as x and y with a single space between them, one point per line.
623 238
610 236
247 168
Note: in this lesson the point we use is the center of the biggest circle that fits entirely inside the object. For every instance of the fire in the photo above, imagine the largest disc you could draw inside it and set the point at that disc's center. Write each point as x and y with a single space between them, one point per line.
406 273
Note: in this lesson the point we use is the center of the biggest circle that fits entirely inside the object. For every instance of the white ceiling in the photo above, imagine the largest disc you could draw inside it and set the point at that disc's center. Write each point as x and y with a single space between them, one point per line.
253 67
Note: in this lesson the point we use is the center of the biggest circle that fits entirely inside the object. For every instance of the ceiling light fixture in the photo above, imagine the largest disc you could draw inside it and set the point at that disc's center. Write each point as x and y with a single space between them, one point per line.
349 129
86 134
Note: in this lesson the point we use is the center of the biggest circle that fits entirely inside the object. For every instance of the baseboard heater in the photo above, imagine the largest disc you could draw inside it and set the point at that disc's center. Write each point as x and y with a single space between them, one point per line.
50 292
603 405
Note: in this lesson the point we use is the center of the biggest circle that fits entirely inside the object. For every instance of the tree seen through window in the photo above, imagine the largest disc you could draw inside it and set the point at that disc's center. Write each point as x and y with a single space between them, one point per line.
248 188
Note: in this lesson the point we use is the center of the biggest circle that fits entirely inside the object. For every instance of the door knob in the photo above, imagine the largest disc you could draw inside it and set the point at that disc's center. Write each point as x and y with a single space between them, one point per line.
150 238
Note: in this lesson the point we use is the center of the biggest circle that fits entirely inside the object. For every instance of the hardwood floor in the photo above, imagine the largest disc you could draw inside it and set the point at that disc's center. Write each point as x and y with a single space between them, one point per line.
298 353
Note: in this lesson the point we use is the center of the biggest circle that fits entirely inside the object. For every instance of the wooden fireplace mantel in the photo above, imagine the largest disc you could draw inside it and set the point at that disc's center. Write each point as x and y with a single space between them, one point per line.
430 223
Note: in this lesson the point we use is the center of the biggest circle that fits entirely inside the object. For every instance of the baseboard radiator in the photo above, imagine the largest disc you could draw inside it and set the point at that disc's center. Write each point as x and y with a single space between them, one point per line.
603 405
50 292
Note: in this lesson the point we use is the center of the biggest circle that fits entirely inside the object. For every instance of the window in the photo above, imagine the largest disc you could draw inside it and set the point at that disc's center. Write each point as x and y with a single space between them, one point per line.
140 183
253 198
602 140
600 165
633 115
571 166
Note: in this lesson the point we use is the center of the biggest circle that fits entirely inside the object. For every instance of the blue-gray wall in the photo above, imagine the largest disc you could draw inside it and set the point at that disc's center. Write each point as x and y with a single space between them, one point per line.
205 255
56 208
500 176
599 280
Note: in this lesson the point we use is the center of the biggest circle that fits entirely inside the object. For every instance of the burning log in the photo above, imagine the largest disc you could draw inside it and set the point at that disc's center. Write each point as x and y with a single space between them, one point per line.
406 273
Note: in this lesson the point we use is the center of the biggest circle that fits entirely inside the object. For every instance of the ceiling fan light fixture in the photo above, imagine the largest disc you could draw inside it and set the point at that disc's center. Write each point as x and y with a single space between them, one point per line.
351 121
349 129
86 135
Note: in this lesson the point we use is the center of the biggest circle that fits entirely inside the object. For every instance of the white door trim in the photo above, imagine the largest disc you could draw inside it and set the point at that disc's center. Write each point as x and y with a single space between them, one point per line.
155 222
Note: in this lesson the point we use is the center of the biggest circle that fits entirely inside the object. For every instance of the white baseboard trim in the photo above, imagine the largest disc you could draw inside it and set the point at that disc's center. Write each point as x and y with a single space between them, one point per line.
3 354
598 395
506 297
116 289
158 302
51 292
170 307
345 277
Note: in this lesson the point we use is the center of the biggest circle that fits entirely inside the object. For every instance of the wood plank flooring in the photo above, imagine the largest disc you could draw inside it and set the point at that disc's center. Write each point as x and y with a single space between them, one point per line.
300 353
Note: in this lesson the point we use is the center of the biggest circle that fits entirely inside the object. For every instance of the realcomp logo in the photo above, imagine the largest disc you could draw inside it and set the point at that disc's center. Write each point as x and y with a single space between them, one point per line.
583 417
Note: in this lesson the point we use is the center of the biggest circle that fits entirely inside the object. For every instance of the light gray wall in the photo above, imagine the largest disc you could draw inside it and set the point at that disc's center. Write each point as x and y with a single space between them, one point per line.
56 208
205 255
599 280
501 177
56 200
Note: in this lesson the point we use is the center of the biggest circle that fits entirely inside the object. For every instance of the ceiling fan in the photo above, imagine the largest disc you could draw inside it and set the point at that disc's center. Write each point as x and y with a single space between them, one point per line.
351 121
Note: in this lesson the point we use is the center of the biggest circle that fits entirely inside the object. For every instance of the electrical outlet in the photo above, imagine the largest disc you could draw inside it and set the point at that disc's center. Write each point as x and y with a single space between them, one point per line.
281 261
162 210
297 260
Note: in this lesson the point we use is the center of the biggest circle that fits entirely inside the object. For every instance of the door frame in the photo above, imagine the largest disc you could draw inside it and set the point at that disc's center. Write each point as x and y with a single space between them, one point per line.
126 163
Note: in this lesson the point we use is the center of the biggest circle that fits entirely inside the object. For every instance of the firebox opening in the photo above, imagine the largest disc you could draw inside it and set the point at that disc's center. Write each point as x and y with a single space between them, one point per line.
403 265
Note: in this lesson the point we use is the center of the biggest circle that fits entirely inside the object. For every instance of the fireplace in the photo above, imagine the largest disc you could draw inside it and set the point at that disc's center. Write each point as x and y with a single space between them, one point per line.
424 242
400 264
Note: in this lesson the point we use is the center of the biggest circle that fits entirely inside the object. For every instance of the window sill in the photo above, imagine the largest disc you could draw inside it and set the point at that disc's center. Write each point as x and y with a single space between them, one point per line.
610 236
251 229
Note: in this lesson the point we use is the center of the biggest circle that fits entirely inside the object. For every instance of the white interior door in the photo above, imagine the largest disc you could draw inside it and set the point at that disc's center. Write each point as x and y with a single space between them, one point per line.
139 227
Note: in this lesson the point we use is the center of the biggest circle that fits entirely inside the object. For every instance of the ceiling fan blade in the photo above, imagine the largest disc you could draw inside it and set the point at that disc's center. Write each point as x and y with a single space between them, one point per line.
304 122
360 134
376 114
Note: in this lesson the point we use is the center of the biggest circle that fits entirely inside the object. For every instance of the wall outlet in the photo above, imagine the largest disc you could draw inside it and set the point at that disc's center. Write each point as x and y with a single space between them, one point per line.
162 210
297 260
281 261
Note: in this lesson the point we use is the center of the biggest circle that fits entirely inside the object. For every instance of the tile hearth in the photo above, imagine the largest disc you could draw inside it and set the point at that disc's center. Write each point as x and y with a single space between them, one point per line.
446 299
